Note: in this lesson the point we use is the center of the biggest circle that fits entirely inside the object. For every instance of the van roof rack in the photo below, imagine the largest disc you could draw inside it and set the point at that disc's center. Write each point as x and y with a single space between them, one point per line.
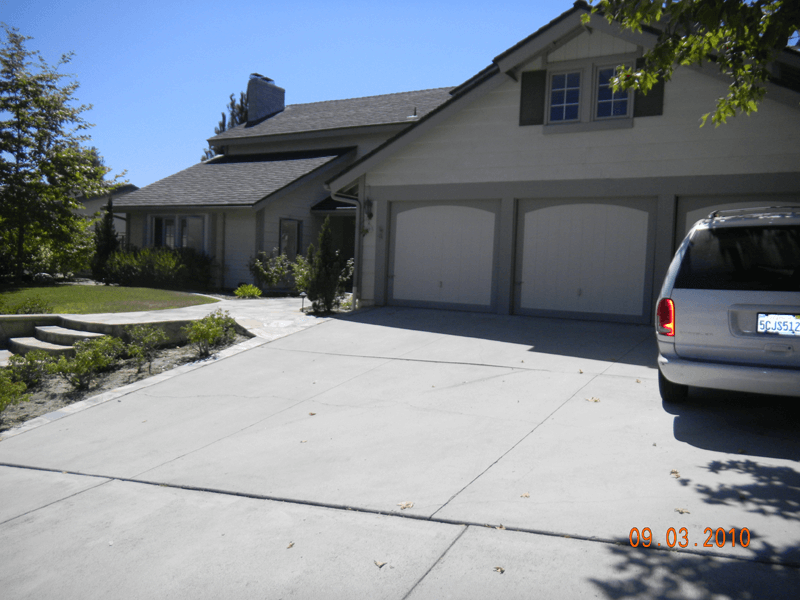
754 210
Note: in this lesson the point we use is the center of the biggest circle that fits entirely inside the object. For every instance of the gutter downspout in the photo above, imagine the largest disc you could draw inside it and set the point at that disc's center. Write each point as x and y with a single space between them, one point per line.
359 242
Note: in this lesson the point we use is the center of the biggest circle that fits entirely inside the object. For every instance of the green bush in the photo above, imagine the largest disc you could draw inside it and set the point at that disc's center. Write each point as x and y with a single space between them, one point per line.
30 369
270 269
211 331
159 268
92 357
33 305
11 392
143 343
301 269
247 291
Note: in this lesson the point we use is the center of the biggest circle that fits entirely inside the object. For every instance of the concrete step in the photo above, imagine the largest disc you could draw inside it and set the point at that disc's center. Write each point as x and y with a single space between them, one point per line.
24 345
63 336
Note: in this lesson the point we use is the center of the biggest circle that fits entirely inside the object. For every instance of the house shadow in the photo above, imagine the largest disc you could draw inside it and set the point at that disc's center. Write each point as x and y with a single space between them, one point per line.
596 340
767 572
751 425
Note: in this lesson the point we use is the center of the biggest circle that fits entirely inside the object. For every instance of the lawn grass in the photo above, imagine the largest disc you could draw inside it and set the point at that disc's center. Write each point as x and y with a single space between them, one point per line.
91 299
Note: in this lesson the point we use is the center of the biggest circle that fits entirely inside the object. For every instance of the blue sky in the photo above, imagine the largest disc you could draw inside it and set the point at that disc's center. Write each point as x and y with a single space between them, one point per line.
159 73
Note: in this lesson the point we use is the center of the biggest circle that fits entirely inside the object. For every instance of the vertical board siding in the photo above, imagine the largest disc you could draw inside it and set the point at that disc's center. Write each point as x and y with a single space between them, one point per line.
588 45
444 254
588 258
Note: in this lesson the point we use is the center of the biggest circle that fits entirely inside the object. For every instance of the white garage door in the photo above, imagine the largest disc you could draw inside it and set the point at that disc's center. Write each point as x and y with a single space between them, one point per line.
443 254
585 258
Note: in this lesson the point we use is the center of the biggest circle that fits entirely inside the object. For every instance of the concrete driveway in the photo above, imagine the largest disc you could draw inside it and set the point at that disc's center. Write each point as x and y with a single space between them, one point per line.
524 449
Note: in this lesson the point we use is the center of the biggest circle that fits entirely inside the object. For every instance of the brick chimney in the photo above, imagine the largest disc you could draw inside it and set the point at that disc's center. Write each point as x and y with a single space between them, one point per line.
264 98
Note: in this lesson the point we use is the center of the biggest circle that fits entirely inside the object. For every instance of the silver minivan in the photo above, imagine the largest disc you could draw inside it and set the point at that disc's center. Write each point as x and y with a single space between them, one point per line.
728 316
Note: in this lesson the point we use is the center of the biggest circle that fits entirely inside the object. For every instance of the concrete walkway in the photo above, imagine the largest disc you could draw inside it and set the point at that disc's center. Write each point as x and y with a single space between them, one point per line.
401 453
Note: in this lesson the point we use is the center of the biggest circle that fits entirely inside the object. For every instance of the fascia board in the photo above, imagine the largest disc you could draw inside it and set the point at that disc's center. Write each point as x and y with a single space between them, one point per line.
412 134
335 164
179 209
311 135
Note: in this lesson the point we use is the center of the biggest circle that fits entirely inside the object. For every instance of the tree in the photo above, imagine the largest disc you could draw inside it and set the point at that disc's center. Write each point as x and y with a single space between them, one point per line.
237 114
106 242
328 272
43 165
741 38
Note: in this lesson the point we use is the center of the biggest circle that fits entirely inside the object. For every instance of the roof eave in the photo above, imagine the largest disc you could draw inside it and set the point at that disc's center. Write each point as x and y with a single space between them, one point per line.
307 134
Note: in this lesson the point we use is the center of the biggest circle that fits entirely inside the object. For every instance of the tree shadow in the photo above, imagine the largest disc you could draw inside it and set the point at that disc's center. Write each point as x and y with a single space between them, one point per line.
767 571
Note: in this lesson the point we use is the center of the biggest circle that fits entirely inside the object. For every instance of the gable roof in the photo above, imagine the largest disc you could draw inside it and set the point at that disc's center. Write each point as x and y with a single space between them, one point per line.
339 114
230 180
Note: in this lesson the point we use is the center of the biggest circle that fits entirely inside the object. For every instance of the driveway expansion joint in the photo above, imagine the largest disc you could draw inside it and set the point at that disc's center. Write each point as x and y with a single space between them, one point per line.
430 519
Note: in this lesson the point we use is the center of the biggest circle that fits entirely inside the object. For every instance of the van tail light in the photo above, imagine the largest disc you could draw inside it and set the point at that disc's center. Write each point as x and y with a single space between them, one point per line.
665 315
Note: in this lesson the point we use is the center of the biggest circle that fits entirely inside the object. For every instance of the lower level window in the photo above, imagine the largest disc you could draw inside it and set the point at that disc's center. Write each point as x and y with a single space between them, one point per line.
290 238
179 232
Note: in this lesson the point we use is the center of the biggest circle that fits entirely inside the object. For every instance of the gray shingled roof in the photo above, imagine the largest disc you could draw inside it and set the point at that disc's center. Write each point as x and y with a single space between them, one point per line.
337 114
226 181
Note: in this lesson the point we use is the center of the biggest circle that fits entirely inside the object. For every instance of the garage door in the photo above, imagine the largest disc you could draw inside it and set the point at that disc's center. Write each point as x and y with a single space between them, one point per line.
585 259
443 254
693 208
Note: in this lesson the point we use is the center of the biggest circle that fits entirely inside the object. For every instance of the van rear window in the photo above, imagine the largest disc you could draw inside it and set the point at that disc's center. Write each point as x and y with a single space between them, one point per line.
742 258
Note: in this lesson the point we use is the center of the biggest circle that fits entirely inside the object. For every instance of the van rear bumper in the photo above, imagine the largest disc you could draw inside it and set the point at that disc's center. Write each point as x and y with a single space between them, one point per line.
736 378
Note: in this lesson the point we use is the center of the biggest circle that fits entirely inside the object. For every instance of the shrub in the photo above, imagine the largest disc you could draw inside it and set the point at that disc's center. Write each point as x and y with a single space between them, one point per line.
148 267
11 392
33 305
247 291
143 342
270 269
30 369
160 268
92 357
328 272
211 331
301 269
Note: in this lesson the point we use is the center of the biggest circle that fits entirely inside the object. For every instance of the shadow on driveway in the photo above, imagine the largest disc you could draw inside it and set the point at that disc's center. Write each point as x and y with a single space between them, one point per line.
738 423
595 340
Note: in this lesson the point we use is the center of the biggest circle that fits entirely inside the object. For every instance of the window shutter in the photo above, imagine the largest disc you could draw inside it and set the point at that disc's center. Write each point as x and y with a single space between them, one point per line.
531 105
652 104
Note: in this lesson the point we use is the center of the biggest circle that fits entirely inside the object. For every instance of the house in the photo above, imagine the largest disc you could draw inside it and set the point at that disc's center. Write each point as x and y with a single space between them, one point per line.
536 190
95 204
265 190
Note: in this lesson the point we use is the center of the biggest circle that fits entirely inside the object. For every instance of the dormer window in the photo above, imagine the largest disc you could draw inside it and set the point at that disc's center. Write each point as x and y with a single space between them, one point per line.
565 97
610 104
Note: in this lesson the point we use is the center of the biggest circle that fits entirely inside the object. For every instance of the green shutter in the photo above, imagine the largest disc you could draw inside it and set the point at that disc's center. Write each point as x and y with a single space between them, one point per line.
652 104
531 104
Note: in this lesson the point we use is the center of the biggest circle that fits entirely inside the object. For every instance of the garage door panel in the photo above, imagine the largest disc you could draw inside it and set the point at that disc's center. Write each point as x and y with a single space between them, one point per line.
577 257
443 254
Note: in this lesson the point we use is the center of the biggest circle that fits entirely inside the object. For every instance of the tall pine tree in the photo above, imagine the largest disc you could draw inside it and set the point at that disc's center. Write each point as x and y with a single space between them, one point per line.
236 115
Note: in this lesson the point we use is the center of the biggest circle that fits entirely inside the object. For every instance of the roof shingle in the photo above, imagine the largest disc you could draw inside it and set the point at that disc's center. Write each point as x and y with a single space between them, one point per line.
227 181
338 114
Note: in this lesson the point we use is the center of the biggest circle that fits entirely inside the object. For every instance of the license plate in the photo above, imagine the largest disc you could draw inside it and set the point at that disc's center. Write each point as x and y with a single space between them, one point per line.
779 324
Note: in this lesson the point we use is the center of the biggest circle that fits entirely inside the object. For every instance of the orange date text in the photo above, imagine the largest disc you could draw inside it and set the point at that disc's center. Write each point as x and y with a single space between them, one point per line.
718 537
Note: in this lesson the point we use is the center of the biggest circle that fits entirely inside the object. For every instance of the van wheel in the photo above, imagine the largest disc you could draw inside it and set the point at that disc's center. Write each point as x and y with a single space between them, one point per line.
671 392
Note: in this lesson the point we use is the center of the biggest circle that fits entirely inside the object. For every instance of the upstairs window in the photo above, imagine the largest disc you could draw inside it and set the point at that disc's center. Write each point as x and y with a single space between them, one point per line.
610 104
565 97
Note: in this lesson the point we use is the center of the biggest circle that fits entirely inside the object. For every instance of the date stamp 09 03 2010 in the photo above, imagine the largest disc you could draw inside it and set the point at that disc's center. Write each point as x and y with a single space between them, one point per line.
718 537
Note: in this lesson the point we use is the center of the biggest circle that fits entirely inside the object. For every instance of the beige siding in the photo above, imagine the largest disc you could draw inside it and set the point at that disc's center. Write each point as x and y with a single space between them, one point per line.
135 229
239 239
484 143
589 45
